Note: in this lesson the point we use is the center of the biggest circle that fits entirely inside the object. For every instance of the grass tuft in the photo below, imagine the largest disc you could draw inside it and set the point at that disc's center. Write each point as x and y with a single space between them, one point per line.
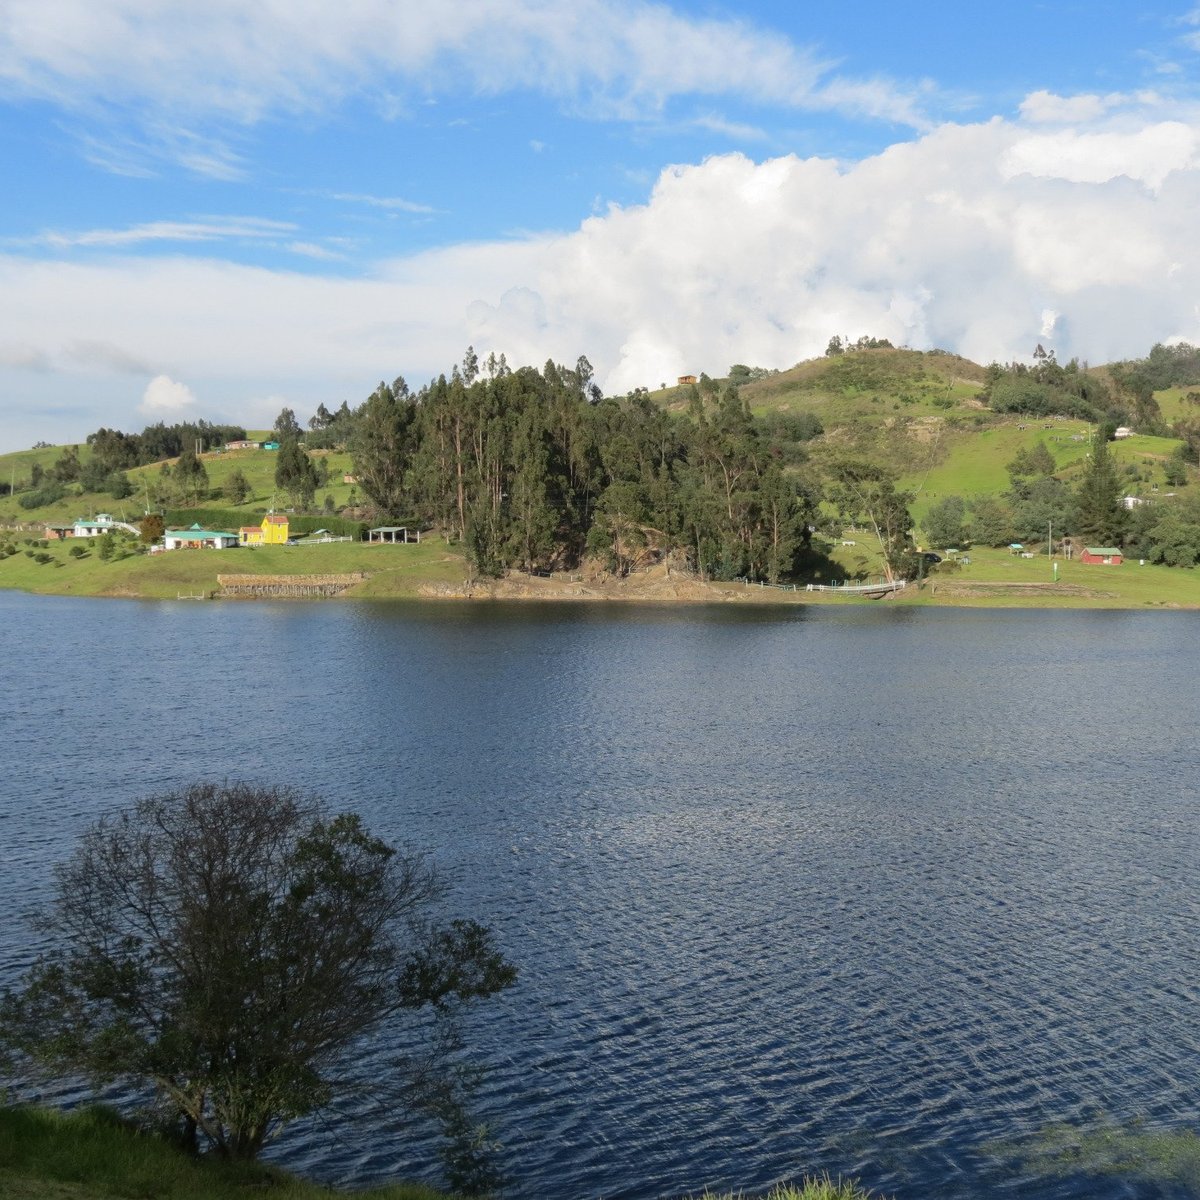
820 1187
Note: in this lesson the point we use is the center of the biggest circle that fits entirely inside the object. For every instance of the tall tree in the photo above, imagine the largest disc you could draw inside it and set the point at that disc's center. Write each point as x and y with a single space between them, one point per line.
295 474
381 447
191 477
945 523
1099 518
864 491
286 426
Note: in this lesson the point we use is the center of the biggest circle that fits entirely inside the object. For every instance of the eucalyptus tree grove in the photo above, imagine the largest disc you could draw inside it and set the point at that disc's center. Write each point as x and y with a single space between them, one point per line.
534 469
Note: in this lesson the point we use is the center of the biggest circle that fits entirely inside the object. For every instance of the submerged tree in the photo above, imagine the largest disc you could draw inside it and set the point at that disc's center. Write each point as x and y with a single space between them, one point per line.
228 947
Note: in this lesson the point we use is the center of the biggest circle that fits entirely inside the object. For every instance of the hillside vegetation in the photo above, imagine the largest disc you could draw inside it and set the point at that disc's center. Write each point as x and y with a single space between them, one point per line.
755 476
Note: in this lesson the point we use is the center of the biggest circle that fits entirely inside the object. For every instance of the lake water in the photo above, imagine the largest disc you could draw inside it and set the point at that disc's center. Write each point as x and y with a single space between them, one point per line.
882 892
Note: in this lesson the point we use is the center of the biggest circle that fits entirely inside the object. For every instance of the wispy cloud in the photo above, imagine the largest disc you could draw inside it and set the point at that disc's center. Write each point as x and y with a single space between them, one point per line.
24 357
141 150
736 130
314 251
210 230
387 203
241 62
106 356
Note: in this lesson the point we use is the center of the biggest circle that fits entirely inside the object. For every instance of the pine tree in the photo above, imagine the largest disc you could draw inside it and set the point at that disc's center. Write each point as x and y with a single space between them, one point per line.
1100 519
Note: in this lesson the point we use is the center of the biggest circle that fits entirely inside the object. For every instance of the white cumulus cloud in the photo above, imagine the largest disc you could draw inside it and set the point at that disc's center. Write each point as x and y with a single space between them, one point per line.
934 242
165 396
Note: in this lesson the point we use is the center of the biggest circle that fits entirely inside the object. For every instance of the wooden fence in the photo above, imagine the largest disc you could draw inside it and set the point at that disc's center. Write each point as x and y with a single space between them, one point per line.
299 586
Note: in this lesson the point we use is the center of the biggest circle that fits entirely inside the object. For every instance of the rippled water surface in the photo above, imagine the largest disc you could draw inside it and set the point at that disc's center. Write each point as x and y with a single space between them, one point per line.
880 892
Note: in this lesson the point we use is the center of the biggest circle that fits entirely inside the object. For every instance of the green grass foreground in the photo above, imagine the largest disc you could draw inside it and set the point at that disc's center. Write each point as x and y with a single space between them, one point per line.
94 1155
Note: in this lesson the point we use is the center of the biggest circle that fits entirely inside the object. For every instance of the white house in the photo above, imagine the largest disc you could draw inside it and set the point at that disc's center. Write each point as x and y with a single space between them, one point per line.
103 523
198 539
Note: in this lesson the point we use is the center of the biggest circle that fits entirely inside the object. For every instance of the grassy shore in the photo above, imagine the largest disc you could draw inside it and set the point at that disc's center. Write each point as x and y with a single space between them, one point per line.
991 579
94 1155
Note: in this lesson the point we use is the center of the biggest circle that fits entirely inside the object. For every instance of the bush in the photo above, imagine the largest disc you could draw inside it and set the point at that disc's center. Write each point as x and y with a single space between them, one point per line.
49 493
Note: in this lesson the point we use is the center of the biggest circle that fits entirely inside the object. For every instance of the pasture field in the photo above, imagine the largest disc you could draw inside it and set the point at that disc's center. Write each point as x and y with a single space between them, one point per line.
393 571
258 466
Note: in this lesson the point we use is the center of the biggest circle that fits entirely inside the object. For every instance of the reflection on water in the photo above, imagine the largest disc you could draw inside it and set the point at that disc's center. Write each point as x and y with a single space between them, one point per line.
869 891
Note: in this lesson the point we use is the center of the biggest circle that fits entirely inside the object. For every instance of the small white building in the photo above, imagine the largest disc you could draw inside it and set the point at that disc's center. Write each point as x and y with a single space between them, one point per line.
1131 502
103 523
1123 431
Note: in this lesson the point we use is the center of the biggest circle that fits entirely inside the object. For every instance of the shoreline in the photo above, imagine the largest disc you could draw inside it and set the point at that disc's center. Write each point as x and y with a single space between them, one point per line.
691 593
436 572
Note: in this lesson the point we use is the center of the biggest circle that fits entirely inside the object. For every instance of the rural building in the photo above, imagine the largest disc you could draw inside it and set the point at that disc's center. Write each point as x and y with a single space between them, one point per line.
103 523
684 379
273 531
1131 502
348 478
1108 555
198 539
393 533
242 444
56 533
1123 431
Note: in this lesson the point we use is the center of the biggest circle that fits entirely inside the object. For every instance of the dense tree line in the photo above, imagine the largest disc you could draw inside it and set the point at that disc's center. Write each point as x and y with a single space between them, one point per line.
1124 396
535 469
117 451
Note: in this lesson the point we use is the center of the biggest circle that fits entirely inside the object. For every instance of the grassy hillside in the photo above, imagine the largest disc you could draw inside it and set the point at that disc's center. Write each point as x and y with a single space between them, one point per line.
870 384
258 466
395 571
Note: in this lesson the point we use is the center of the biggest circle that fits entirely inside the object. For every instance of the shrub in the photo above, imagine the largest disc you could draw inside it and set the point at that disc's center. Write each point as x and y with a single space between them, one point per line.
49 493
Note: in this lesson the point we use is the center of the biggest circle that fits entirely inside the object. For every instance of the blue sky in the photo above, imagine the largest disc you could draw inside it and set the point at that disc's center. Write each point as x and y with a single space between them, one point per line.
218 209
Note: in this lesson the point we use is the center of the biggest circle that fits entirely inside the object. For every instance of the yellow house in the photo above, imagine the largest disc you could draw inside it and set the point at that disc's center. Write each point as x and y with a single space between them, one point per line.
272 532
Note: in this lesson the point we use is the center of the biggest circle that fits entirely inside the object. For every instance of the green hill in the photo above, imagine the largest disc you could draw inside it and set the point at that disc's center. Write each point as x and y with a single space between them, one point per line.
869 384
258 466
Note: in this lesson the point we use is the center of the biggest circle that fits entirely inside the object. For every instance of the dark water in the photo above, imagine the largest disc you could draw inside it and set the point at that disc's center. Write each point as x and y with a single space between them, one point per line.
879 892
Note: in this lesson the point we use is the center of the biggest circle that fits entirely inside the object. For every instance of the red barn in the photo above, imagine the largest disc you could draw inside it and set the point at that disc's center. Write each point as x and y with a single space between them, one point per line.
1107 555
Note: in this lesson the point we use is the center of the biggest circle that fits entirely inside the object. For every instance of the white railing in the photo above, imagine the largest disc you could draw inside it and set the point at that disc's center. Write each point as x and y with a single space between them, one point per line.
858 588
